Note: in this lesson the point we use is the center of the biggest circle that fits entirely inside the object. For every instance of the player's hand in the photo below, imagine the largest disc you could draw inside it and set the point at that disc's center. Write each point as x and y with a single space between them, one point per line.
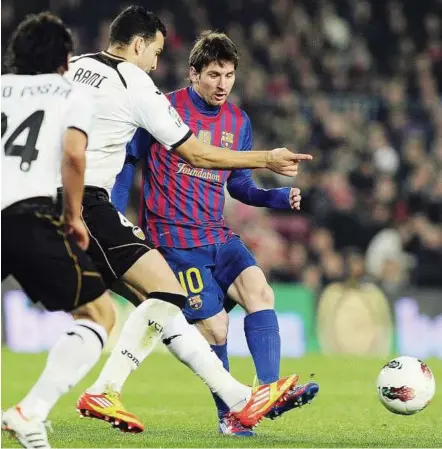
295 198
284 162
76 228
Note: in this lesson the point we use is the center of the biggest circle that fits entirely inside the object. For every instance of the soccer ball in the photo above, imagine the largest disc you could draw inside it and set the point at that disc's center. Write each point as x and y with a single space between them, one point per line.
405 385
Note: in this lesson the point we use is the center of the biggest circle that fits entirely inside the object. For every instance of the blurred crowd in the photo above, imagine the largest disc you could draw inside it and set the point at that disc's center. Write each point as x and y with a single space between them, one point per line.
356 83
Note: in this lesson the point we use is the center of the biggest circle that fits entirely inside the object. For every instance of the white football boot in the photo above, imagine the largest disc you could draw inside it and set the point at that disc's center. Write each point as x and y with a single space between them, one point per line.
29 432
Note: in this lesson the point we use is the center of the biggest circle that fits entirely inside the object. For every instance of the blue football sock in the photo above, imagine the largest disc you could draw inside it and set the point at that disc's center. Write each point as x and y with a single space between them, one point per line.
262 334
221 352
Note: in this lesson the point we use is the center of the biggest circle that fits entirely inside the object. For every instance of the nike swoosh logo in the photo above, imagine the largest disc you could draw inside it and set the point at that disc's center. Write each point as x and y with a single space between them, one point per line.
168 341
74 333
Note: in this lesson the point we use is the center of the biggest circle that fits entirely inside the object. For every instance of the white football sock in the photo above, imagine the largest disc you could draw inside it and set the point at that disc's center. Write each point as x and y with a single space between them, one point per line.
152 320
191 348
75 353
141 332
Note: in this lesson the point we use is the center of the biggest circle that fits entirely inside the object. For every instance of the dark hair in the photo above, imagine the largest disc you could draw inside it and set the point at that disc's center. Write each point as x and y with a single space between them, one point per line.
212 46
135 21
40 44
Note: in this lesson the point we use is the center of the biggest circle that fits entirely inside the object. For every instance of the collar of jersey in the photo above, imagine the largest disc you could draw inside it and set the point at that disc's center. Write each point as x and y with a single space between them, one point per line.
113 56
203 107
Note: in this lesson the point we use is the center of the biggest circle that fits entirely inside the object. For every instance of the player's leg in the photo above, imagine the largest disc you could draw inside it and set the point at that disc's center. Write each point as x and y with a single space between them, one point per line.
250 289
122 251
239 277
183 341
161 316
194 268
131 349
246 406
55 272
214 330
71 358
144 326
204 362
205 308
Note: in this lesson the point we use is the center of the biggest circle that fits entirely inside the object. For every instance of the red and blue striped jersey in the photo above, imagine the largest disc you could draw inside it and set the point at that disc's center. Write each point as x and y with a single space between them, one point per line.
183 206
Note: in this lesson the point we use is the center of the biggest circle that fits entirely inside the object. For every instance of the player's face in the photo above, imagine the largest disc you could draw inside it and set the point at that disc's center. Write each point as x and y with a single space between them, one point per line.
215 82
148 52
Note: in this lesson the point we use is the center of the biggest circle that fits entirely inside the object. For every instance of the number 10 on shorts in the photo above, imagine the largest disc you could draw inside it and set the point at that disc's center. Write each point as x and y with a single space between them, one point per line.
191 280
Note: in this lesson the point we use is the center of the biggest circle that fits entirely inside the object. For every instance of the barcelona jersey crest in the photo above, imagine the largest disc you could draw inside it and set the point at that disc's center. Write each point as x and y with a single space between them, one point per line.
226 139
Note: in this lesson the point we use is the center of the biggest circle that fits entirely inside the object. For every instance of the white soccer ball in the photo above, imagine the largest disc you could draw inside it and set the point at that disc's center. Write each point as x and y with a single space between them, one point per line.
405 385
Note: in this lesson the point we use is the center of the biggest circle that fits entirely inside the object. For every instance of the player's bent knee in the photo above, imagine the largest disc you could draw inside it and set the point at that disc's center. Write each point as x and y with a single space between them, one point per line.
263 299
214 329
100 311
268 297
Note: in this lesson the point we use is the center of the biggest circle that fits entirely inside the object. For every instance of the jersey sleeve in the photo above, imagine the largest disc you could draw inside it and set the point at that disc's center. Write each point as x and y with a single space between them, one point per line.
241 186
136 149
246 134
139 146
152 110
245 144
80 111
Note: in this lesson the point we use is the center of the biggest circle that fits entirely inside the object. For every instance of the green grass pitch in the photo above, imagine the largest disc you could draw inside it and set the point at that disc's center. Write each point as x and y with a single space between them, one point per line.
178 411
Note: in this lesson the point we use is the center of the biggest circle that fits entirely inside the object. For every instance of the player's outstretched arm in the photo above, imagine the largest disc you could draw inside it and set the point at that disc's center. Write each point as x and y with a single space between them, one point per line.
201 155
153 112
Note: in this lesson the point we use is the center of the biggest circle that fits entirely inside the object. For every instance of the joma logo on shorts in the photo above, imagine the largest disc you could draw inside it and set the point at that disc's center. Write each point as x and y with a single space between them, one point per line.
130 356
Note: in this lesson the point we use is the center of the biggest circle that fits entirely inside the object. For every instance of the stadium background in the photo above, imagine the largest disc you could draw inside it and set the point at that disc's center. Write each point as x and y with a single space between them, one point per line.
358 85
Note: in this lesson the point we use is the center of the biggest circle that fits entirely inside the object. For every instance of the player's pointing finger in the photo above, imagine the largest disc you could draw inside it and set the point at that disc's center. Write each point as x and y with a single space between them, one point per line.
302 157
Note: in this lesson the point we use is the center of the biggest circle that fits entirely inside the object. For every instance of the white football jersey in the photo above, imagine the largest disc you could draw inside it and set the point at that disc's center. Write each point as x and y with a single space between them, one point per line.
36 111
125 98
